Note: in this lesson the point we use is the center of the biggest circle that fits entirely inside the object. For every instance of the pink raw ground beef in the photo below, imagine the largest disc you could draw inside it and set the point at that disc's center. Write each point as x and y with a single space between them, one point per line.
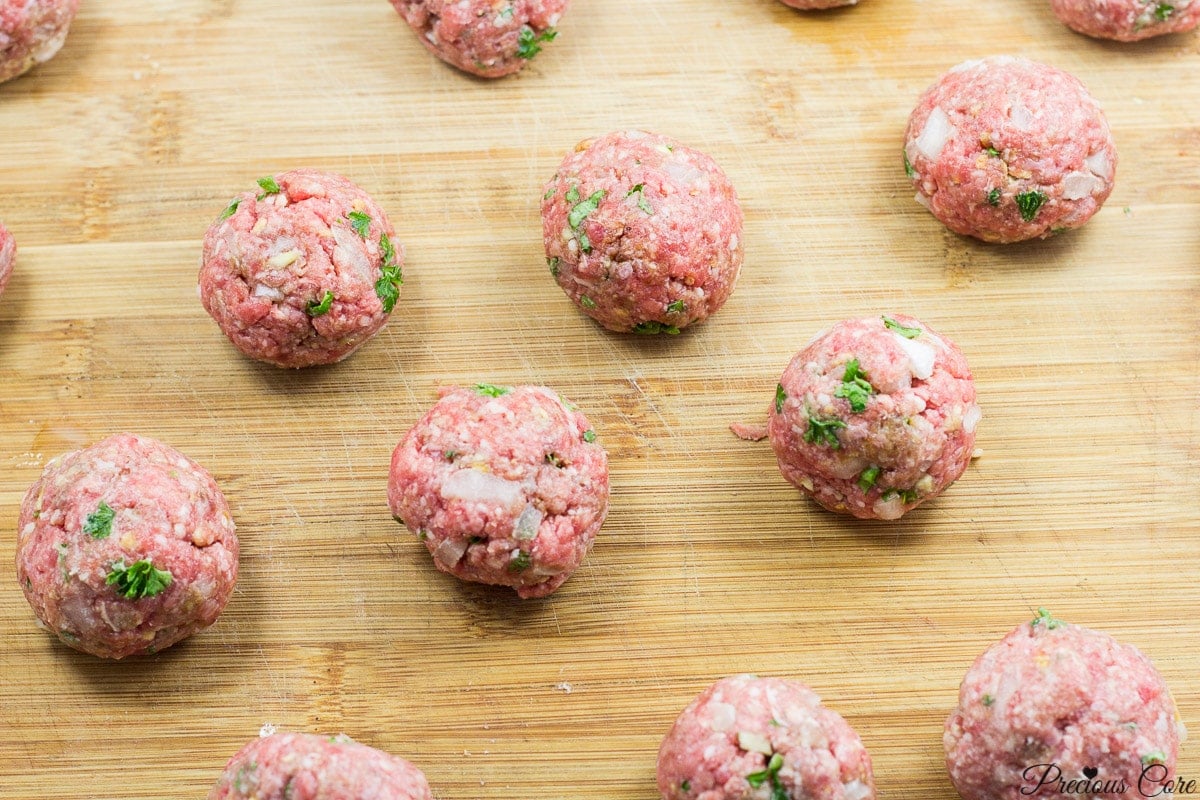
815 5
874 417
504 486
8 256
126 547
32 32
751 738
488 38
303 272
303 766
1128 20
1061 702
1006 149
643 233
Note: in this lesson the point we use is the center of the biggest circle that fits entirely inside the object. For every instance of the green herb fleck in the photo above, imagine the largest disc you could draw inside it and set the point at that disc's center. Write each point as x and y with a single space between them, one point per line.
988 700
269 186
642 203
520 562
231 209
529 43
757 779
391 277
1043 618
586 301
589 436
584 207
549 193
686 786
572 195
652 327
360 222
907 333
555 460
993 197
506 14
1163 11
450 455
1154 757
316 309
98 524
993 152
421 535
489 390
867 478
140 579
908 496
1029 203
676 307
780 396
823 431
908 167
387 250
585 244
855 389
552 263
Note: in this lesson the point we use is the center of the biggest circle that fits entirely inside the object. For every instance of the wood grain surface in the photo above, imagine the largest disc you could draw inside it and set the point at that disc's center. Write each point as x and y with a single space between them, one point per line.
118 154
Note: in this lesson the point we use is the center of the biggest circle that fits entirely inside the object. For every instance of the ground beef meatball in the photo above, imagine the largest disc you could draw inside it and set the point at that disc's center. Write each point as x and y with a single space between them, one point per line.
32 32
816 5
642 233
1057 710
488 38
1006 149
504 486
8 256
875 416
126 547
302 272
751 738
304 766
1127 20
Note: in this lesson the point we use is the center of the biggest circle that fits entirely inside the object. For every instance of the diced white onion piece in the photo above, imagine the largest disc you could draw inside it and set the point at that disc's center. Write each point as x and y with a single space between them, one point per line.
1021 116
450 551
476 486
723 716
1078 185
348 253
284 259
682 172
848 468
920 356
269 292
924 485
922 199
753 742
1099 164
889 509
526 528
856 790
937 131
971 418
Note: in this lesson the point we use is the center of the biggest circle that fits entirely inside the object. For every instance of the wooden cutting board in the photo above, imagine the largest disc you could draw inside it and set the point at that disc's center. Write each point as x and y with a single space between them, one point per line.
118 154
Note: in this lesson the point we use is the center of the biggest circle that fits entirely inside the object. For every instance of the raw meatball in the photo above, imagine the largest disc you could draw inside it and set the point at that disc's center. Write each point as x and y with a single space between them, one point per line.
32 32
642 233
1055 702
126 547
303 272
1127 20
748 737
1006 149
504 486
815 5
8 256
874 417
488 38
304 766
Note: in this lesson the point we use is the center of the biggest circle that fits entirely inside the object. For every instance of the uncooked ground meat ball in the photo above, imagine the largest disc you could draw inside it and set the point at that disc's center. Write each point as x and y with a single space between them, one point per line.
643 233
504 486
126 547
874 417
304 766
303 272
751 738
1005 149
1053 703
817 5
488 38
32 32
1127 20
8 256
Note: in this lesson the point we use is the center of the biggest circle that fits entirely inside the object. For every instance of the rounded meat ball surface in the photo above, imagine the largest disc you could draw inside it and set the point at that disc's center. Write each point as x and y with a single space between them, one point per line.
488 38
817 5
304 766
8 256
1005 149
643 233
1053 701
303 272
874 417
126 547
1127 20
751 738
504 486
32 32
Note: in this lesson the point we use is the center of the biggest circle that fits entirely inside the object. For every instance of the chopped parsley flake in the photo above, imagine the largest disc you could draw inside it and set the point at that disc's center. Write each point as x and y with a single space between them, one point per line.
450 455
489 390
908 496
589 436
993 152
642 203
584 207
572 195
555 460
529 43
360 222
855 389
988 700
520 562
549 193
1029 203
823 431
552 263
771 773
686 786
231 209
1163 11
506 14
908 167
1154 757
586 301
269 186
676 307
993 198
585 244
316 309
1043 618
98 524
391 277
651 328
867 478
907 333
141 579
780 396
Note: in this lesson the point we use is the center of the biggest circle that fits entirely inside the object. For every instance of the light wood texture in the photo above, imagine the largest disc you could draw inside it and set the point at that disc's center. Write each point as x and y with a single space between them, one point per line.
118 154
